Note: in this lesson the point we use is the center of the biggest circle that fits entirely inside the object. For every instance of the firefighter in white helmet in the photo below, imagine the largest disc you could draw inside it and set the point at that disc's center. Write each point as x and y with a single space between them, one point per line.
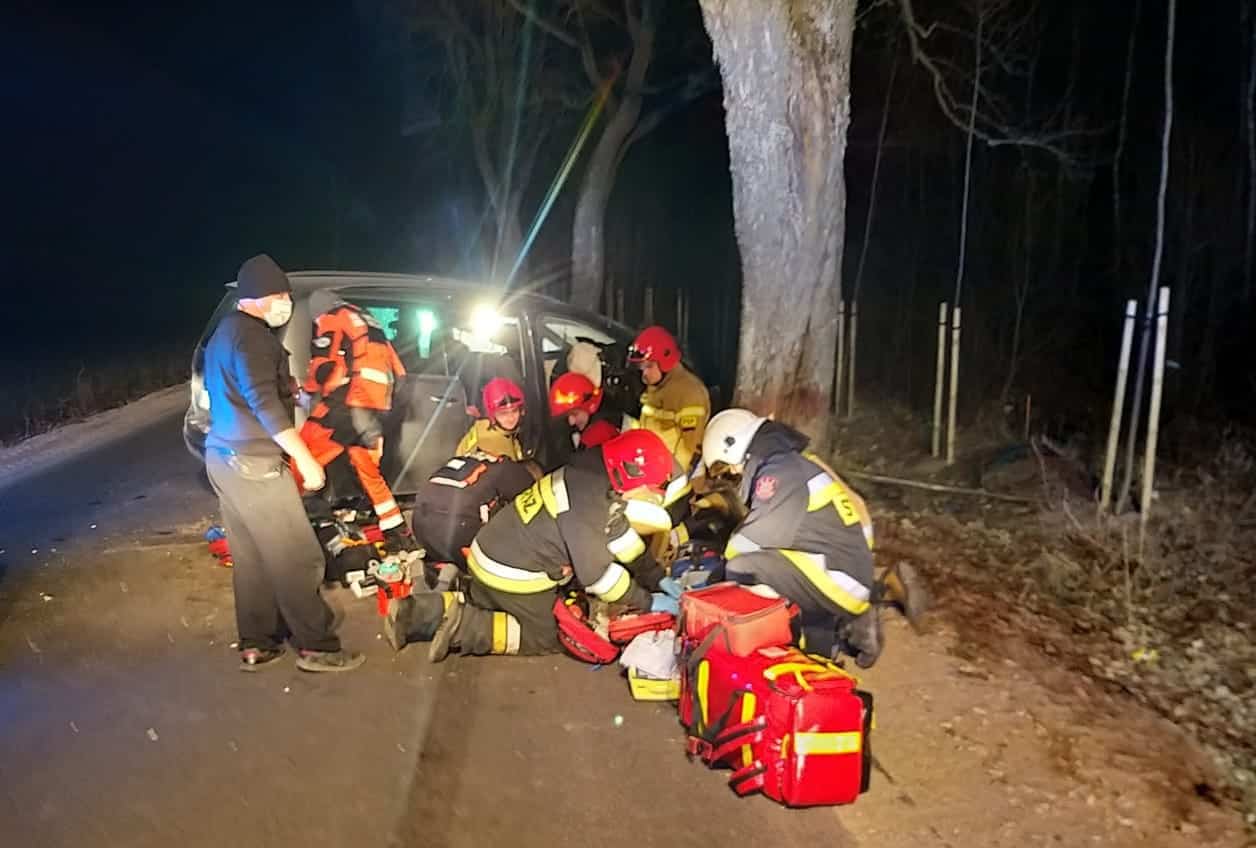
806 535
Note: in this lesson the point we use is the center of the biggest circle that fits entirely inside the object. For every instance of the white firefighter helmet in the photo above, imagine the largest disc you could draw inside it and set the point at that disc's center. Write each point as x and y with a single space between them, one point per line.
728 436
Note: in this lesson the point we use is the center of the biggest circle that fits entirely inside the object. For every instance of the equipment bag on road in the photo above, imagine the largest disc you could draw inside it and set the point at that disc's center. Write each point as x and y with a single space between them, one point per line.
739 619
791 725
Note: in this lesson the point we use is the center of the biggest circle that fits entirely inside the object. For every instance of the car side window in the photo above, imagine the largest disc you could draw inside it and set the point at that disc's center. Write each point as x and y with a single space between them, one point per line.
558 334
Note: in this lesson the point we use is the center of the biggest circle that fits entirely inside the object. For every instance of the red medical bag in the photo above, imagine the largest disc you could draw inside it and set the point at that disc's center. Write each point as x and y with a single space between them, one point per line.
625 628
740 620
574 633
792 726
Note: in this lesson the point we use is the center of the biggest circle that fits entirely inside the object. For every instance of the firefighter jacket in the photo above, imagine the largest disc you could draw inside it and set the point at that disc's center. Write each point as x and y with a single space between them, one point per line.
351 360
487 437
799 508
677 409
571 517
473 487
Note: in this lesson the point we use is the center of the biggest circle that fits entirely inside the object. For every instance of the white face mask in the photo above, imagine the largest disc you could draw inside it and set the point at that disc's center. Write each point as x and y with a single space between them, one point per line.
278 313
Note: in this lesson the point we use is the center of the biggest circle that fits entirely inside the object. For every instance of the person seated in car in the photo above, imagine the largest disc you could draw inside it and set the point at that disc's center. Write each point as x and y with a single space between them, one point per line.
497 432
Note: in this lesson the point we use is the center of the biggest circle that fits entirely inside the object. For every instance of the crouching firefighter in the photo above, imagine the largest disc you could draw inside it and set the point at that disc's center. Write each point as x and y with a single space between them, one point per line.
574 525
805 536
461 496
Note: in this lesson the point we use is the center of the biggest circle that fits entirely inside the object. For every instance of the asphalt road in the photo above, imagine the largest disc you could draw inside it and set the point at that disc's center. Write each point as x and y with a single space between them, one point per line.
123 719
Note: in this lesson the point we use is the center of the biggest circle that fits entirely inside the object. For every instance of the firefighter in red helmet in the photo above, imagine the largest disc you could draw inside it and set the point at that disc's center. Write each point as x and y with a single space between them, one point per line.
574 526
676 405
497 433
575 397
352 371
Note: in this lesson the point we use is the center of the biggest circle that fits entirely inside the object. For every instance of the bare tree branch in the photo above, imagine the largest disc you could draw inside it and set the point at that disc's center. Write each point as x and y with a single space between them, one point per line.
987 116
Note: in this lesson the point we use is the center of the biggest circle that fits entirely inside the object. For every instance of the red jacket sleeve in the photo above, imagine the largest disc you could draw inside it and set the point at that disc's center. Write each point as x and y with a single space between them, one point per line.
597 432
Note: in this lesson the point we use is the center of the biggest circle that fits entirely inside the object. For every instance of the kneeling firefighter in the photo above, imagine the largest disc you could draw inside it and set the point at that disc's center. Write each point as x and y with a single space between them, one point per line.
353 369
806 536
573 525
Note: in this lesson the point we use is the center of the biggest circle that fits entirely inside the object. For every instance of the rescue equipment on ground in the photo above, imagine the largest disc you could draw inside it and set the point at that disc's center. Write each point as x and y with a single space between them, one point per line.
623 629
577 636
216 539
791 725
740 620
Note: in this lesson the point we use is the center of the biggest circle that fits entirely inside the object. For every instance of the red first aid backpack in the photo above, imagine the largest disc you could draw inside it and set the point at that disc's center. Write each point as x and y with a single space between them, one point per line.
790 725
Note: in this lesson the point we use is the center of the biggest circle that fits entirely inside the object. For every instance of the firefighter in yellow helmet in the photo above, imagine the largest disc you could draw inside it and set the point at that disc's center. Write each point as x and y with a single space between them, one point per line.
676 405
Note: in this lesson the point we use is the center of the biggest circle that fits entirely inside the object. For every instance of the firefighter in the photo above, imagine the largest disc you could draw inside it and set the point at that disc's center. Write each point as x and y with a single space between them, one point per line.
353 369
575 524
676 404
575 396
460 497
806 536
497 433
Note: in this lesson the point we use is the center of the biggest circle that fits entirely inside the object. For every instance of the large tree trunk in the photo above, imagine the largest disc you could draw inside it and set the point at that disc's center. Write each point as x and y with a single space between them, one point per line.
786 71
588 229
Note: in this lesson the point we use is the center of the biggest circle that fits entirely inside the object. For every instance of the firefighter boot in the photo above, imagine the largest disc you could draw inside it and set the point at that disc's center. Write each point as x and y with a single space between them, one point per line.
415 618
903 586
861 638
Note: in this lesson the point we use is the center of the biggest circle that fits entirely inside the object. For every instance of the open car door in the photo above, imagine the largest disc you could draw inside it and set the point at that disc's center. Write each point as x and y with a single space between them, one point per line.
428 419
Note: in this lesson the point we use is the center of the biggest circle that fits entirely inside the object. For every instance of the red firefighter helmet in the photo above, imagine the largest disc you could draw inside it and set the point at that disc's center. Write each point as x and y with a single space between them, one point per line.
501 394
574 391
637 458
655 344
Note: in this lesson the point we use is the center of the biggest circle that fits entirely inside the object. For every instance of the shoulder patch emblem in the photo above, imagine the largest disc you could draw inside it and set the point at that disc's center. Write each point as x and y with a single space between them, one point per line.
765 487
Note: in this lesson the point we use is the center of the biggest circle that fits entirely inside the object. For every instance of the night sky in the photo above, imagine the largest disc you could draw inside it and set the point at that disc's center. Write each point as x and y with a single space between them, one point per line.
151 148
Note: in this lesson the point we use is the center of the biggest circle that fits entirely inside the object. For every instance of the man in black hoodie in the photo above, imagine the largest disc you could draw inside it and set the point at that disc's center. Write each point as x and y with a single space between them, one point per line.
806 536
278 561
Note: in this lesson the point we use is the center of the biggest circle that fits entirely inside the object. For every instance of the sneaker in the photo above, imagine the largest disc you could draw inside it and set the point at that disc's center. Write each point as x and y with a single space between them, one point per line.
394 629
255 659
318 661
443 639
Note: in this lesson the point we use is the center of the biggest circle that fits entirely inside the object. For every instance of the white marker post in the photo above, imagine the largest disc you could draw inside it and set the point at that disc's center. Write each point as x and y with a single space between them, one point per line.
1118 406
850 377
950 421
841 357
938 381
1153 416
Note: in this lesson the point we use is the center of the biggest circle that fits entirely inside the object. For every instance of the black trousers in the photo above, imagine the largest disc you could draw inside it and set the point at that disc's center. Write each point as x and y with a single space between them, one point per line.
444 535
538 631
279 563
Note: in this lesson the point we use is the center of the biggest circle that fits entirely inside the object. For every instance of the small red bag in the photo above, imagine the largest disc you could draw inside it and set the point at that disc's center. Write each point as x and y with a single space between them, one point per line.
625 628
740 619
581 640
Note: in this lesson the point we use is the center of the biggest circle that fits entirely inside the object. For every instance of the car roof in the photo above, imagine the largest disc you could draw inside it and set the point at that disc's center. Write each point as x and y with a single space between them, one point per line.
305 283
